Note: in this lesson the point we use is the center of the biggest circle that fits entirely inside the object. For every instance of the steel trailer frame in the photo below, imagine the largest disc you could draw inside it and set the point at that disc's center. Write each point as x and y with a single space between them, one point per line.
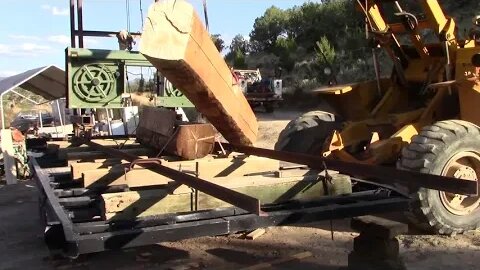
73 232
73 238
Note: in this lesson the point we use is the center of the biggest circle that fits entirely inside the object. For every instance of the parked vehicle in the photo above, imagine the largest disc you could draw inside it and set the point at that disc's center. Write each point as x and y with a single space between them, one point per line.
259 91
28 121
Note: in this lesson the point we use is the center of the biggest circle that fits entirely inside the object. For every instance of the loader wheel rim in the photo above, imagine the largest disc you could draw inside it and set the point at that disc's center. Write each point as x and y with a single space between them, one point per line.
465 165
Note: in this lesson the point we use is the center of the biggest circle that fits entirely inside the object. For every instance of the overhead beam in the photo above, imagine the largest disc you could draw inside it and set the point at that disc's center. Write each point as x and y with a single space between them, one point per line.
91 33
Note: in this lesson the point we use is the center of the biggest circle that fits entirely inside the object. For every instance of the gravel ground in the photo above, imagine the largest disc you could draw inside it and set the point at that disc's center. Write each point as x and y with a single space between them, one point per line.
22 246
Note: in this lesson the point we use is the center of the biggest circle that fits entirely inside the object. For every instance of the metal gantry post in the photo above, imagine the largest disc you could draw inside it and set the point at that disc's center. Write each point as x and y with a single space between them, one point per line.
80 22
72 23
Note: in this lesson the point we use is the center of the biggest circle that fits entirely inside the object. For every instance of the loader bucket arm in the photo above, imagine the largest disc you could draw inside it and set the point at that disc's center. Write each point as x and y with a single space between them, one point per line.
387 33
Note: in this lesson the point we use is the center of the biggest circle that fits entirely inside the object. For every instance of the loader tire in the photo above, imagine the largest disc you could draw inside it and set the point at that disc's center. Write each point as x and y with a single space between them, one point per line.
449 148
307 133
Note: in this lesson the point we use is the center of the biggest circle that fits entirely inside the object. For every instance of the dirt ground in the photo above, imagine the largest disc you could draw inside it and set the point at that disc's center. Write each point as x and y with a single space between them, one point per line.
22 247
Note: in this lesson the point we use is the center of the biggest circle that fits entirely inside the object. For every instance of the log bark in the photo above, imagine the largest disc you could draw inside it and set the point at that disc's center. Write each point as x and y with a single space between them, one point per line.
176 42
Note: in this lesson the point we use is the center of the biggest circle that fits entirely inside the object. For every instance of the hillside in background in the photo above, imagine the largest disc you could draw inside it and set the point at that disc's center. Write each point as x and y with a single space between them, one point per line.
13 104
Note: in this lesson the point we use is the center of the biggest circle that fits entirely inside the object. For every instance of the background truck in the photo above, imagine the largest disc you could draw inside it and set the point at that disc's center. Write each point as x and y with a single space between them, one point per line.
259 91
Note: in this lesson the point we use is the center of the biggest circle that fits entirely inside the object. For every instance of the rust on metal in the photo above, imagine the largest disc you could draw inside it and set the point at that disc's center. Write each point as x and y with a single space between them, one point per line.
376 174
232 197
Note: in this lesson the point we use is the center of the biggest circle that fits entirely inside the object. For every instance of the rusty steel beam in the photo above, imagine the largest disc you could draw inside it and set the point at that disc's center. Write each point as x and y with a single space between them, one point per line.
72 23
376 174
80 22
232 197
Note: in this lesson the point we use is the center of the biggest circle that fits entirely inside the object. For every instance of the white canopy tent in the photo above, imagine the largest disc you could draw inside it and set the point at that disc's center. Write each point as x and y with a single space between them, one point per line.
48 82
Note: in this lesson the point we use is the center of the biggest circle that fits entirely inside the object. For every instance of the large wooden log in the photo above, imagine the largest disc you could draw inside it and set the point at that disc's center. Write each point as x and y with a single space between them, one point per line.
193 141
176 42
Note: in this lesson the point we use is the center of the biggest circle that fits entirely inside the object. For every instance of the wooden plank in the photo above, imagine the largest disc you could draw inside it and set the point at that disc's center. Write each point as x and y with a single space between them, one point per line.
112 161
93 155
295 172
176 42
8 156
255 234
110 172
248 181
137 178
128 205
236 165
103 178
77 168
208 167
116 176
62 152
301 172
57 170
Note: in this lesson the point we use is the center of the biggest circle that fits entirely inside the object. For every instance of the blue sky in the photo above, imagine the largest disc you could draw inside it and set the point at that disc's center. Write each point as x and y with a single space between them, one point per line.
36 34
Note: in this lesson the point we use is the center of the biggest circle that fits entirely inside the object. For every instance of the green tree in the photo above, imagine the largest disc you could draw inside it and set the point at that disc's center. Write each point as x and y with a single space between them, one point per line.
268 28
325 52
218 41
239 50
239 43
239 60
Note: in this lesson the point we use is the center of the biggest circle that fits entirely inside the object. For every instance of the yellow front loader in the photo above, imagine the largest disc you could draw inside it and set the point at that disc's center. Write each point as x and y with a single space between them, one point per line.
424 118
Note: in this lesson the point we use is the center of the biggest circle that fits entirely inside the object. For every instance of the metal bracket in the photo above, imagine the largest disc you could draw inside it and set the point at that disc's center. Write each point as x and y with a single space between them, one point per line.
145 161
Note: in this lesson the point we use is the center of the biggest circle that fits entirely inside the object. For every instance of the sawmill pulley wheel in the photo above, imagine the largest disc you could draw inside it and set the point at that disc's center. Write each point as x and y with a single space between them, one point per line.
94 83
171 90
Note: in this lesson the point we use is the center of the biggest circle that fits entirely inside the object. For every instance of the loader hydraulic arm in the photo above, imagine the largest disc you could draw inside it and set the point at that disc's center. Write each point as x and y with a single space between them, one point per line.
387 33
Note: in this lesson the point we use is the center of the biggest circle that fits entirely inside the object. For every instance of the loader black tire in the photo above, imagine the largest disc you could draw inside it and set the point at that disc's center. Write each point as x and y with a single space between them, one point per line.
432 151
307 133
